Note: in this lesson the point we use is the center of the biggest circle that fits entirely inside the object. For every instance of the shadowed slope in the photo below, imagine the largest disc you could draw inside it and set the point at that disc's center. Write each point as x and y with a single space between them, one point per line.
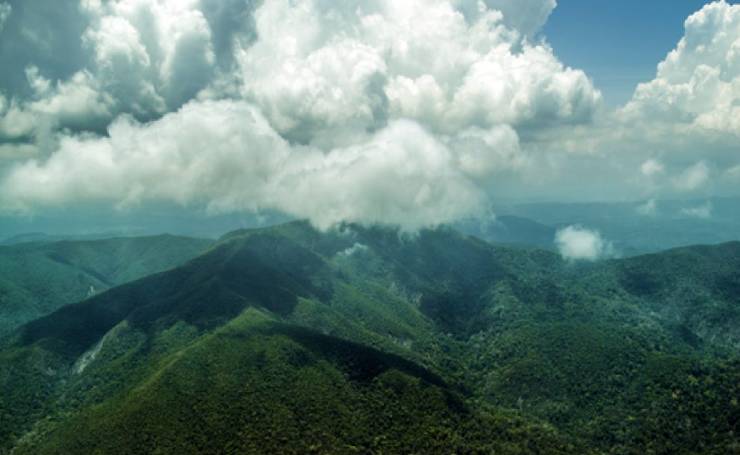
38 278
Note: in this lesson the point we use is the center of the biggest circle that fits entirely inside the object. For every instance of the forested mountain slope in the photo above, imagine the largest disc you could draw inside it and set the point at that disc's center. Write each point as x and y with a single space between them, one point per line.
367 339
37 278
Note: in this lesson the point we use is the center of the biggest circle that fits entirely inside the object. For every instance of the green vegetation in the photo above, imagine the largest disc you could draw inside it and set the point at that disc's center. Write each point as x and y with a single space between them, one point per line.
367 340
38 278
254 386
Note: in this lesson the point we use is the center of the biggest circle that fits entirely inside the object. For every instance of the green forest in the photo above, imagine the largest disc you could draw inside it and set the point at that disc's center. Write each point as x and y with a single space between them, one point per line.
369 340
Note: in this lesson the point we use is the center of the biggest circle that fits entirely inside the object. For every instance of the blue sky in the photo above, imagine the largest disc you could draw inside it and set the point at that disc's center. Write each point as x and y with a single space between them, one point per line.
618 43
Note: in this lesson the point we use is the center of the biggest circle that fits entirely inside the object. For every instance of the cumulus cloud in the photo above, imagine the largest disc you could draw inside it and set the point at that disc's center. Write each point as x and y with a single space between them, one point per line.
42 34
226 156
698 84
525 16
366 111
658 146
76 102
420 60
138 57
412 113
579 243
685 115
166 159
152 56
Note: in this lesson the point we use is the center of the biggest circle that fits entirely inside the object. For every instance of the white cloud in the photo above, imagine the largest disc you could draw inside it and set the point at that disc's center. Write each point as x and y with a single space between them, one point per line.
76 102
525 16
356 248
402 175
225 155
484 153
693 177
373 111
698 84
147 58
579 243
686 114
651 168
201 154
15 122
413 112
702 211
152 56
322 72
123 65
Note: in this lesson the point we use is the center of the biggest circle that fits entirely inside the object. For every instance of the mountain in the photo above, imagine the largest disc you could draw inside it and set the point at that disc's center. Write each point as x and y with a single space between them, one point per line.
39 277
253 386
511 230
31 237
95 223
41 237
694 289
367 340
225 342
642 227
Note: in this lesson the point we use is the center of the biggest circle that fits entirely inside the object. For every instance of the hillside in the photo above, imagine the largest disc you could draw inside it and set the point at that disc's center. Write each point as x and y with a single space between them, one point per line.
254 386
38 278
366 339
694 289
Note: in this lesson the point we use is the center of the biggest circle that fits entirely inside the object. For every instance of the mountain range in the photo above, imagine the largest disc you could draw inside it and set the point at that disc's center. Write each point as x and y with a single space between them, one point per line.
371 340
38 277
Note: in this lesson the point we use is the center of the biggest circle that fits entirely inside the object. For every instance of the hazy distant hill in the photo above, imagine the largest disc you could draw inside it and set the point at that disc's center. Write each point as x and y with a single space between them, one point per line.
511 230
40 237
643 227
365 340
37 278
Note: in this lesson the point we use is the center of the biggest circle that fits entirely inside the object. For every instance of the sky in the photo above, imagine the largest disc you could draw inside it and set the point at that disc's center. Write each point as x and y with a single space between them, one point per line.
409 113
617 43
